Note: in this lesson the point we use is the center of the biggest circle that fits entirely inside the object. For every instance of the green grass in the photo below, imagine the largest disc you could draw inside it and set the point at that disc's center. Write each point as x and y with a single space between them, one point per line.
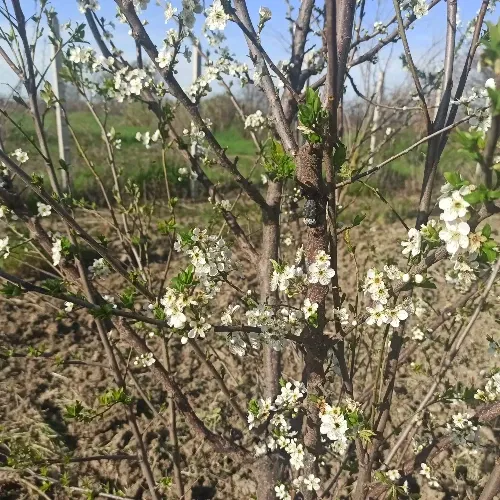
135 161
237 144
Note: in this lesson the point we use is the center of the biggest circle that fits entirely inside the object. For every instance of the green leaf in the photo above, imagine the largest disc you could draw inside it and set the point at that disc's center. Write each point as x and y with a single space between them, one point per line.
11 290
472 143
63 165
20 100
184 279
340 155
453 178
358 219
494 95
489 253
493 195
114 396
476 196
127 298
277 163
166 226
426 284
486 231
54 286
253 407
491 46
104 311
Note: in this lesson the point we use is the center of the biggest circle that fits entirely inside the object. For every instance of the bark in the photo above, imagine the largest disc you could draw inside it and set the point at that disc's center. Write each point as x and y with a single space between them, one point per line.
309 170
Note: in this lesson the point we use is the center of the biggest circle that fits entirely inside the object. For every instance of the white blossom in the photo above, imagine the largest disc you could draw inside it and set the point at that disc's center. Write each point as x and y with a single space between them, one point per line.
80 55
57 251
164 58
145 360
320 271
414 243
282 493
4 247
312 483
454 207
455 235
333 423
99 269
462 428
20 155
216 16
255 121
491 390
43 209
309 308
83 5
169 12
393 475
420 8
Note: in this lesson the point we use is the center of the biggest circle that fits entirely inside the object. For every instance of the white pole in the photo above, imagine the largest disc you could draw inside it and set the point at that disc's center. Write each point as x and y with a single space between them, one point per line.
196 74
59 91
376 116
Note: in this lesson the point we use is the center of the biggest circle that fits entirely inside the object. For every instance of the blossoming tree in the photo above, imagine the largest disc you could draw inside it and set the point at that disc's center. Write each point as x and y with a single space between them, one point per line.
321 427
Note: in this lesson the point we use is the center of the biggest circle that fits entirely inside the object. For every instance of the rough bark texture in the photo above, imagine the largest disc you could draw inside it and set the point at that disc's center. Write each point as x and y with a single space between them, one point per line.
269 473
309 163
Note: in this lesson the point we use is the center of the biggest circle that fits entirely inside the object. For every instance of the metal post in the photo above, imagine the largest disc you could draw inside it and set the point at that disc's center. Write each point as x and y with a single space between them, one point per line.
196 74
58 87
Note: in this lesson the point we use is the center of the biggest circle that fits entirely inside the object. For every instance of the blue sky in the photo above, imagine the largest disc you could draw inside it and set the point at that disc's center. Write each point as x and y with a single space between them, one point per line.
426 39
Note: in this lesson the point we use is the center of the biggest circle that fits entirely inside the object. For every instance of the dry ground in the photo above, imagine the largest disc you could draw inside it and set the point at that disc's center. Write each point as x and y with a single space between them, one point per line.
34 389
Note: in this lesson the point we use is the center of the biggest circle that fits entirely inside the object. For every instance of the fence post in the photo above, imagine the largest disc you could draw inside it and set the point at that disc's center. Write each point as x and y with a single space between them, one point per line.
59 91
196 74
376 116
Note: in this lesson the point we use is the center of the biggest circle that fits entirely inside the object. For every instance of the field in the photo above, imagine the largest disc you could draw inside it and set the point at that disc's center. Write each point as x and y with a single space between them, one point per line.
53 363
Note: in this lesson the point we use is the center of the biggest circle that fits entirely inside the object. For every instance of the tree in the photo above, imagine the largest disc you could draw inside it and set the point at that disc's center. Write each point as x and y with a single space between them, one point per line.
316 432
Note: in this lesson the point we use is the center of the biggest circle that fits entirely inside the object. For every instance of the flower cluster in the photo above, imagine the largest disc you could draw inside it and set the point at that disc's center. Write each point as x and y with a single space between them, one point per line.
426 472
491 389
57 251
288 279
255 121
420 8
129 82
379 313
311 482
334 427
175 303
20 155
274 325
462 428
463 274
81 55
216 16
380 27
209 255
113 139
320 271
283 437
99 268
455 213
83 5
198 328
146 138
145 360
413 246
341 315
196 135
